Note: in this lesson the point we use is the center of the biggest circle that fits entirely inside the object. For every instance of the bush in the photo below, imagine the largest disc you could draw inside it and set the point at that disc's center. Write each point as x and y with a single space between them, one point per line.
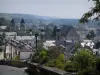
84 59
50 63
59 62
16 58
98 64
70 67
40 57
85 72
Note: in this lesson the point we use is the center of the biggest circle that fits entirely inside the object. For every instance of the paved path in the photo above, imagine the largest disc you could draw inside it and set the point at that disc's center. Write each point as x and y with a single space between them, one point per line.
8 70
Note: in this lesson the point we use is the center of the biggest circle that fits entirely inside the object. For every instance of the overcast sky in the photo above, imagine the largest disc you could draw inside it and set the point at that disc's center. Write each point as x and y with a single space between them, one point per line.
53 8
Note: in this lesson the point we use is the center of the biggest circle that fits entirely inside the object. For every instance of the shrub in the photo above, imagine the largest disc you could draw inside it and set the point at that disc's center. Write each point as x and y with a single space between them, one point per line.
50 63
98 64
16 58
40 57
70 67
86 72
59 62
84 59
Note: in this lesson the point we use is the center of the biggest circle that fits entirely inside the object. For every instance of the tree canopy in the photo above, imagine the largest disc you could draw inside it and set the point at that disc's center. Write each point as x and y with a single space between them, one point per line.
93 12
90 35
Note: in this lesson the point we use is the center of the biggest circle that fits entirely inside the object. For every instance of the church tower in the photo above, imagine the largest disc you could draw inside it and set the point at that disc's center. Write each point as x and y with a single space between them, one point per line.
12 25
21 31
22 25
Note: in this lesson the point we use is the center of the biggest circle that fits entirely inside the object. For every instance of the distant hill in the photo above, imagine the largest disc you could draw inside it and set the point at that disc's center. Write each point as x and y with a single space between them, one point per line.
43 19
33 18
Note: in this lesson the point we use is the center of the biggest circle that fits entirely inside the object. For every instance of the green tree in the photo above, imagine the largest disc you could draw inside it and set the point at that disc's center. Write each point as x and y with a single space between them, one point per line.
58 62
84 59
40 57
98 65
54 52
94 11
90 35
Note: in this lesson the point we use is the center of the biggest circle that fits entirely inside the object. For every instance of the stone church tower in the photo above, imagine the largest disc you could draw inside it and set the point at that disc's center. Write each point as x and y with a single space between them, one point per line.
12 25
21 31
22 25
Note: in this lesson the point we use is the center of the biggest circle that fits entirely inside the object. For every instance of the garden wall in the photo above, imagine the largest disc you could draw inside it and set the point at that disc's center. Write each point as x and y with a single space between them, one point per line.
37 69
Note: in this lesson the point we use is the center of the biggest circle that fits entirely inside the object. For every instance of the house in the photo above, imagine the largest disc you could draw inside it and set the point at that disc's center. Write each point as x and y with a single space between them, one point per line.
26 39
88 43
16 48
69 48
26 52
67 33
2 48
10 35
3 27
82 32
48 43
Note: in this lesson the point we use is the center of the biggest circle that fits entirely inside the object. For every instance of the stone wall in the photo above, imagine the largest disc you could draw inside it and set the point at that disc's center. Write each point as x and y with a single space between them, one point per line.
13 63
37 69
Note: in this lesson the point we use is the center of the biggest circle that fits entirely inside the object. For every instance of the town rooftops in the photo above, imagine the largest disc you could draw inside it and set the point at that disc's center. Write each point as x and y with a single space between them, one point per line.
25 38
65 29
3 27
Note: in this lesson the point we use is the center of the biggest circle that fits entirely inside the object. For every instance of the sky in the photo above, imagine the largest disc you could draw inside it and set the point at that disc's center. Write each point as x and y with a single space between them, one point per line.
53 8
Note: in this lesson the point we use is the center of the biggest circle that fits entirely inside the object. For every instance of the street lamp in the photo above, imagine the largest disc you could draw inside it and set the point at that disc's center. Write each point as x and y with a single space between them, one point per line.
57 35
58 32
36 35
42 35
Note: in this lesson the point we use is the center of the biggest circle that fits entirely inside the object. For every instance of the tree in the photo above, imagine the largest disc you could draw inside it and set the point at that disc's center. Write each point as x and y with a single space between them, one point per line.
2 21
90 35
54 52
94 11
58 62
97 45
84 59
98 65
40 57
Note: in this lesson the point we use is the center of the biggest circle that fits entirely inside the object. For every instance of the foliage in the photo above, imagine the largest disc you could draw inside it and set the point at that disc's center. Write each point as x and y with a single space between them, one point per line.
3 21
77 46
84 72
54 52
2 36
84 59
94 11
70 67
16 58
40 57
50 63
90 35
59 62
97 45
83 62
98 64
30 32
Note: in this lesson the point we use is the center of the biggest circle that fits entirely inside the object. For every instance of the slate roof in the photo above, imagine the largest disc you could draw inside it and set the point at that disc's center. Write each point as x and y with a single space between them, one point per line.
26 48
65 29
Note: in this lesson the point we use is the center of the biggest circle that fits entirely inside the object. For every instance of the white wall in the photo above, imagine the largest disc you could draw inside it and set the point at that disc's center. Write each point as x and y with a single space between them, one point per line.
25 55
1 55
